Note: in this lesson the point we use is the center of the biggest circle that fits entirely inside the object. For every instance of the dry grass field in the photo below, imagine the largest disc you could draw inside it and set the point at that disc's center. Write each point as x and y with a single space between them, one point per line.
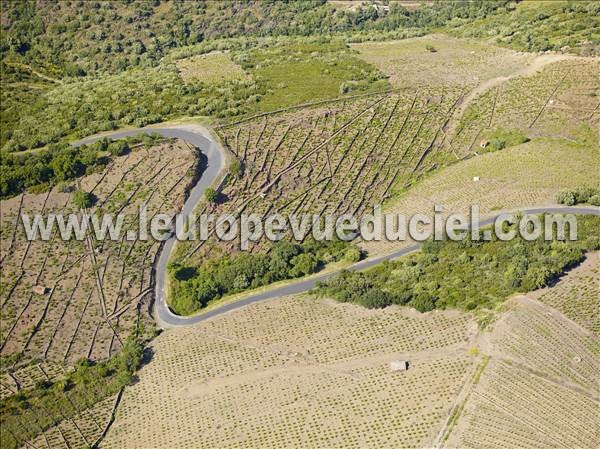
210 68
298 372
99 290
441 60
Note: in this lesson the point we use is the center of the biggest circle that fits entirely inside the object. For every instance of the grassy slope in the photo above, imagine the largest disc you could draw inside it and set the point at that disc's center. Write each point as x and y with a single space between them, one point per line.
297 72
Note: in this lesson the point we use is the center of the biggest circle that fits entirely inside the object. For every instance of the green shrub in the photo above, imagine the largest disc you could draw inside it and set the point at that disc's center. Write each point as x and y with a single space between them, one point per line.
235 168
211 195
566 197
353 255
595 200
83 199
49 403
375 299
118 147
423 302
64 187
303 264
584 193
578 195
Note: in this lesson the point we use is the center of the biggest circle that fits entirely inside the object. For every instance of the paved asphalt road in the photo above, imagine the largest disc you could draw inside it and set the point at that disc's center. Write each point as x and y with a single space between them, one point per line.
200 137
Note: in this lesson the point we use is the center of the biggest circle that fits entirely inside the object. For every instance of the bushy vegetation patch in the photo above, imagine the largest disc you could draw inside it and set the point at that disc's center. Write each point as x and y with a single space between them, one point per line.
83 199
500 138
28 413
76 37
133 98
539 26
466 275
192 289
59 163
579 195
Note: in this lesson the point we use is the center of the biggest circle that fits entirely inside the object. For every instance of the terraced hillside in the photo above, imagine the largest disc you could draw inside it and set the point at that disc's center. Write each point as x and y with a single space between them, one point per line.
315 159
540 386
97 292
561 100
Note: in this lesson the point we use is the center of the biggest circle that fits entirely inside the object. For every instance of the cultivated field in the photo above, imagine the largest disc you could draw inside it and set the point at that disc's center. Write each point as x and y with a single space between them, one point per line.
82 431
98 291
540 387
577 295
561 100
522 176
339 157
298 372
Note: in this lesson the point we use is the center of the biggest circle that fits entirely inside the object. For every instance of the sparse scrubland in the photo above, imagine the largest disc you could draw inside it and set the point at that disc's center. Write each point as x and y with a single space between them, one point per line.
324 108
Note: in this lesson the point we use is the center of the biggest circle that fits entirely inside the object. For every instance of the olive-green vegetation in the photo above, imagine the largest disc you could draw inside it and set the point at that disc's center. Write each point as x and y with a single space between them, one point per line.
572 26
467 274
294 72
40 169
66 73
73 68
500 138
136 97
83 199
193 288
28 413
73 38
579 195
60 162
211 195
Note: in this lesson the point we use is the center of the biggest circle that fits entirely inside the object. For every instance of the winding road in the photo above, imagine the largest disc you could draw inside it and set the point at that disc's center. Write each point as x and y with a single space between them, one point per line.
201 138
